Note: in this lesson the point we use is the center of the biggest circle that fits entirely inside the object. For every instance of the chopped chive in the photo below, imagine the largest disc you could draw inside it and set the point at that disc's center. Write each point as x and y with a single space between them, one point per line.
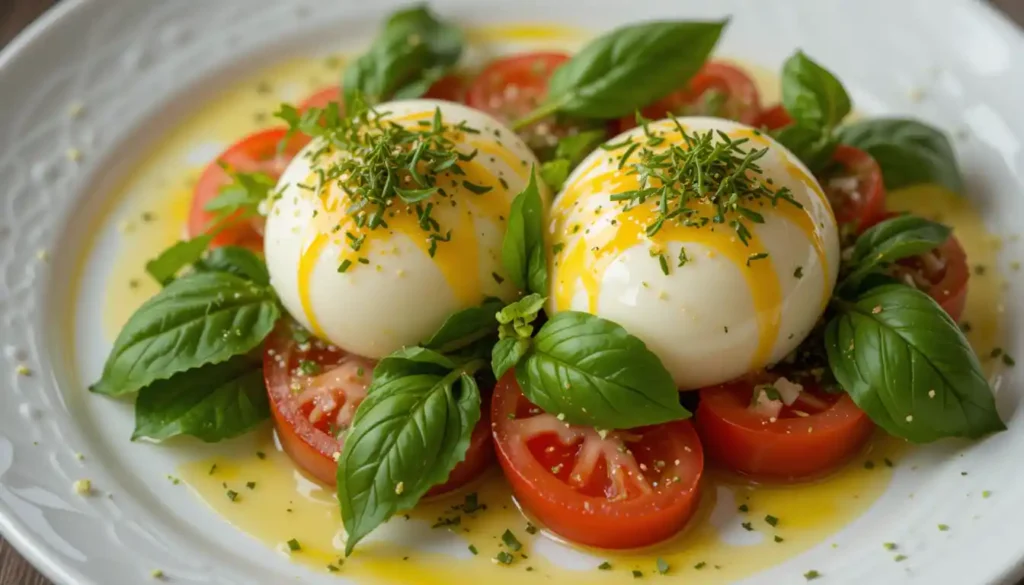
700 565
605 566
503 558
294 546
771 520
345 264
662 566
473 549
511 541
899 558
477 189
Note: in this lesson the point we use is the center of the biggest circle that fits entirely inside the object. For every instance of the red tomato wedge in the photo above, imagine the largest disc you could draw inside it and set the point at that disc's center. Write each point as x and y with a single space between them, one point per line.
942 273
855 188
774 118
625 489
717 90
321 98
255 153
451 88
815 435
511 87
314 390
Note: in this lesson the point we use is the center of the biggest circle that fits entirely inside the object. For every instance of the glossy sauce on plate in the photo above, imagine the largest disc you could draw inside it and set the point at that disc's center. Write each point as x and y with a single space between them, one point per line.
427 546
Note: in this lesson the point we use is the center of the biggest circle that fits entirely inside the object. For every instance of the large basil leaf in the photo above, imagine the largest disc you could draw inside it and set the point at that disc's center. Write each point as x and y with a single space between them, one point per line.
629 68
413 50
908 151
171 261
212 402
595 374
522 250
204 318
465 327
891 240
407 436
811 94
908 366
235 260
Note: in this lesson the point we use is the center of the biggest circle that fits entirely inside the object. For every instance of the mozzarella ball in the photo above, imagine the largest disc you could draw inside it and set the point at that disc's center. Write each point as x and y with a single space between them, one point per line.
710 305
373 291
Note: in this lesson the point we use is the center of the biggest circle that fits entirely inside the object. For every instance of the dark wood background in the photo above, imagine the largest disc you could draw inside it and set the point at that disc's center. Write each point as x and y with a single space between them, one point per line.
14 16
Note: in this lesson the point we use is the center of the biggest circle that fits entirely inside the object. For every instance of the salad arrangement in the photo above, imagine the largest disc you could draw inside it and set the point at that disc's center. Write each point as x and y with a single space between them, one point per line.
282 304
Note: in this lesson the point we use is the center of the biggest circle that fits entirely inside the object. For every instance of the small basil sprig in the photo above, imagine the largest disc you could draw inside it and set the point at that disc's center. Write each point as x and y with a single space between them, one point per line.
522 250
627 68
236 260
242 195
896 238
908 366
412 51
203 318
909 152
212 402
587 370
569 152
817 102
407 436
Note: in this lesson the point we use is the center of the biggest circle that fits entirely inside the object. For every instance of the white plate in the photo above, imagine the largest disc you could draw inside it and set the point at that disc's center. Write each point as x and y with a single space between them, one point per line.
139 66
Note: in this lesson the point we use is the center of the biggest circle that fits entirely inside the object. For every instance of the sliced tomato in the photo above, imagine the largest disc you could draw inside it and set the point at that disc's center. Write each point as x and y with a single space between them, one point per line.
614 490
854 188
451 87
717 90
774 118
314 390
942 273
255 153
321 98
512 87
815 435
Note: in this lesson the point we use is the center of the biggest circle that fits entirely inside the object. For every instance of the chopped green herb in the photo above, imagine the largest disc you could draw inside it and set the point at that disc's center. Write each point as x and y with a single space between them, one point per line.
213 469
758 256
637 574
683 259
345 265
472 504
530 528
744 508
985 494
889 545
261 455
473 550
478 189
557 247
771 520
333 568
700 565
294 546
799 272
251 485
996 352
511 541
605 566
778 538
504 558
662 566
309 367
899 558
888 462
747 526
869 464
664 264
943 527
811 575
1009 361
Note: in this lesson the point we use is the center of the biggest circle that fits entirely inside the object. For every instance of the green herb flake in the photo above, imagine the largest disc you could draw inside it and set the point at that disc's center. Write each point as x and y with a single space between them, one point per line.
251 485
511 541
812 575
637 574
213 469
747 526
888 462
309 367
503 558
530 528
345 265
869 464
261 455
605 566
473 550
943 528
662 566
744 508
986 494
771 520
700 565
889 545
294 546
799 272
899 558
778 538
1008 360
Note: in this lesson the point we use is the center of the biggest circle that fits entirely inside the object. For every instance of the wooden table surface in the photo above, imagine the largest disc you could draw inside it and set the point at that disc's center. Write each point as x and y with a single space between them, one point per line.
14 16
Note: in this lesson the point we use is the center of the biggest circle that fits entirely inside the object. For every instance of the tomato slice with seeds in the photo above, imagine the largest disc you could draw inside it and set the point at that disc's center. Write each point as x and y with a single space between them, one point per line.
811 437
855 189
314 390
718 90
622 489
257 152
942 273
512 87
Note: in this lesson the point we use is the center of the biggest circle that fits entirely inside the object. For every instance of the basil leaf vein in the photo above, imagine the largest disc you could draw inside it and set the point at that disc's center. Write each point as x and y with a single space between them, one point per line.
909 367
212 402
596 374
909 152
891 240
235 260
406 437
204 318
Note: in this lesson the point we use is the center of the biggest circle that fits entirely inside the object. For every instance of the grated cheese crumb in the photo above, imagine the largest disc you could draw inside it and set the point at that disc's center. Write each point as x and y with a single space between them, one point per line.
82 487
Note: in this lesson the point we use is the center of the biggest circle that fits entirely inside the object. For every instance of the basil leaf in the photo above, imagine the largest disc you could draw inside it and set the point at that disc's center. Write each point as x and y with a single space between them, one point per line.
908 366
407 436
813 146
465 327
413 50
629 68
235 260
554 173
596 374
899 237
812 96
522 250
245 192
201 319
212 402
413 360
909 152
507 353
171 261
